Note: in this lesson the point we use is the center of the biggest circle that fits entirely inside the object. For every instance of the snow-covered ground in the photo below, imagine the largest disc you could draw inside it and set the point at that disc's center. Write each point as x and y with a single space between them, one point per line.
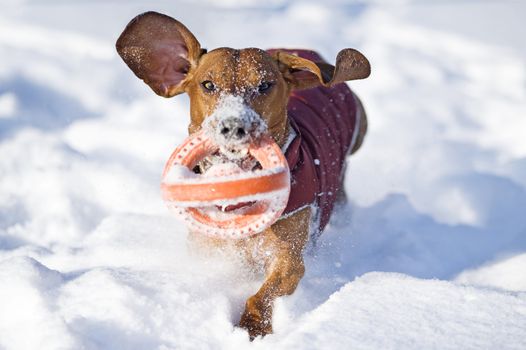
430 253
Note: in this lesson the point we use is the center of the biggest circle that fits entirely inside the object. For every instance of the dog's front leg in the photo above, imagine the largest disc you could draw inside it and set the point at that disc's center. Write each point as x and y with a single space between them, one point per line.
286 239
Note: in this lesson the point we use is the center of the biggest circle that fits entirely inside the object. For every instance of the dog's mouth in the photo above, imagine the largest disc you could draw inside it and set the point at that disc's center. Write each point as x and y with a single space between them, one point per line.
241 158
232 207
234 152
229 157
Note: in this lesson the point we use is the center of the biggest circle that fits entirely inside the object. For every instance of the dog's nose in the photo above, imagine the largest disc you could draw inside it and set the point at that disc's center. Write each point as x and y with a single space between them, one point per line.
233 129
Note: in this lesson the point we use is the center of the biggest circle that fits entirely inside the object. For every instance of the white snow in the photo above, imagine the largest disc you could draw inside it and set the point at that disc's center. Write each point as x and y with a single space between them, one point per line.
505 273
177 173
8 105
428 254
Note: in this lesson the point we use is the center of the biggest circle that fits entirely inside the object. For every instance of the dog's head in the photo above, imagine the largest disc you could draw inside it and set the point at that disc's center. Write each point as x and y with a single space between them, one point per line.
236 95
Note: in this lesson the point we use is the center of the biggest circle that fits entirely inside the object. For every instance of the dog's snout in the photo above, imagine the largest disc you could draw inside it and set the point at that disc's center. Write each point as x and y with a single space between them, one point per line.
234 124
233 129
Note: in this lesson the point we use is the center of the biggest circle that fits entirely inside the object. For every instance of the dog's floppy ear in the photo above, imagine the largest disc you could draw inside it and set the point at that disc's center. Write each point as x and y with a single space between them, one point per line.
159 50
302 73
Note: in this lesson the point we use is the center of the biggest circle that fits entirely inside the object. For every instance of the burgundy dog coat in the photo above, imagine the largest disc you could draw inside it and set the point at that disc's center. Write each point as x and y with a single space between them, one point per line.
326 124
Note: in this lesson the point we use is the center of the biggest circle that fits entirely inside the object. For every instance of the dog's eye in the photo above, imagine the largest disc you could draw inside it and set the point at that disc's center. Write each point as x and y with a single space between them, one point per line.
264 86
208 85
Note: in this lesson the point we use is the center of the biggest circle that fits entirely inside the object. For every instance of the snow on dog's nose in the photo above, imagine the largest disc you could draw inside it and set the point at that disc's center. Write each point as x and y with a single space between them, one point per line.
233 128
234 125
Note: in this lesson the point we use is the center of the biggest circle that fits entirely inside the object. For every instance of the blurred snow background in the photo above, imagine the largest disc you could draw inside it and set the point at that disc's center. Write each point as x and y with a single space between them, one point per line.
430 253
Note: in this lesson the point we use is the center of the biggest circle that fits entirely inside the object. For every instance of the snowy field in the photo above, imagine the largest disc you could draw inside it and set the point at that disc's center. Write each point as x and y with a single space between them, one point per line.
430 253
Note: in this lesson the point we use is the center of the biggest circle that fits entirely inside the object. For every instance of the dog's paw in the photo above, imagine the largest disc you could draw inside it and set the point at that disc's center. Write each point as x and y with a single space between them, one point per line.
256 320
255 326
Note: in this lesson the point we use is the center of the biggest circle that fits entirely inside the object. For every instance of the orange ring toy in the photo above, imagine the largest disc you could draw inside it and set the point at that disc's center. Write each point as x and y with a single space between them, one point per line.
194 198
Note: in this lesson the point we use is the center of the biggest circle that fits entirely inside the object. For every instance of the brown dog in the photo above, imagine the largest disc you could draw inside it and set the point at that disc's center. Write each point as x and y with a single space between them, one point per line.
264 85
